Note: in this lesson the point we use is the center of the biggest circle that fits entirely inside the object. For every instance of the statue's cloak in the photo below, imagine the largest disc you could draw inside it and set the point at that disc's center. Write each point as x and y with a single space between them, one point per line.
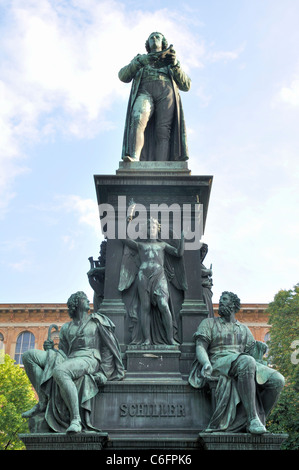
229 414
111 368
178 139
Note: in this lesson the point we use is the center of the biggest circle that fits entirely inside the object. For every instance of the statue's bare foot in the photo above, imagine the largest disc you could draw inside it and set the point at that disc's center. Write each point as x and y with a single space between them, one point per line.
146 342
75 426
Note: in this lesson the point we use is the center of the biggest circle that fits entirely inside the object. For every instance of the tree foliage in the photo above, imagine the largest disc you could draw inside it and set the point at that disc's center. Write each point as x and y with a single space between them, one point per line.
16 396
284 356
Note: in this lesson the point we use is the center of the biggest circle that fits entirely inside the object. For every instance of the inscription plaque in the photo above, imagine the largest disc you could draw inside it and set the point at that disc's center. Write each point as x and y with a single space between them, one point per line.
151 410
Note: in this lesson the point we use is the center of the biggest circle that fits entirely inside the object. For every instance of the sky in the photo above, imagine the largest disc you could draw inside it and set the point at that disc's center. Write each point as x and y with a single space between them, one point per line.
62 118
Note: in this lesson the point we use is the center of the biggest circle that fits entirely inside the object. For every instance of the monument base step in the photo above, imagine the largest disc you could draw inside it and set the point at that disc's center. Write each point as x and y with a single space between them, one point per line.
149 440
241 441
143 167
63 441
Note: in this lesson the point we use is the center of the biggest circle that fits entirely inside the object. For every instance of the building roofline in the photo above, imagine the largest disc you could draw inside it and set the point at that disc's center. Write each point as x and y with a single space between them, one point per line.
11 307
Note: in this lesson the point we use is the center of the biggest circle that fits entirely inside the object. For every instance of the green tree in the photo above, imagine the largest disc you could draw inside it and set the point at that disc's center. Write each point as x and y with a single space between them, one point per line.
284 356
16 396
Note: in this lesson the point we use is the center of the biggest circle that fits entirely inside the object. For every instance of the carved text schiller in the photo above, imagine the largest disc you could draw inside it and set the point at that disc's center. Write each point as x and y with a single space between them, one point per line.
151 410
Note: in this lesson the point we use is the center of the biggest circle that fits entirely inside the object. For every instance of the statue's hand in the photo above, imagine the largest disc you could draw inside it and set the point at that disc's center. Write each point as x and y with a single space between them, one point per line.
170 58
207 370
48 344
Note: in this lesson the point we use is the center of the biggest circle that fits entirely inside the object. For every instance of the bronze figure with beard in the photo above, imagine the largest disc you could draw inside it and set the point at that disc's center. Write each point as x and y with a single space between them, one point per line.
227 353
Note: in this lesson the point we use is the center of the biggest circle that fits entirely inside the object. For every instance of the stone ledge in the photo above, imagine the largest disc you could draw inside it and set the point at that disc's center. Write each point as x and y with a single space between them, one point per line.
62 441
171 168
150 439
161 443
240 441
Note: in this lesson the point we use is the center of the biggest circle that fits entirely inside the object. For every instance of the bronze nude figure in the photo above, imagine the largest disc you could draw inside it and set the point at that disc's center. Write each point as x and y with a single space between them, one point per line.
144 271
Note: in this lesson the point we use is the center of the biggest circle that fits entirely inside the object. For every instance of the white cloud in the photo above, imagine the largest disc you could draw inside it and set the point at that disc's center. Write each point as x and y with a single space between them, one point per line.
19 244
20 266
290 94
16 253
216 56
203 96
85 209
69 242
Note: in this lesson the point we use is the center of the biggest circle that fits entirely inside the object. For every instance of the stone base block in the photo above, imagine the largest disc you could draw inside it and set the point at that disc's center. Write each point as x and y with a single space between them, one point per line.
166 168
156 408
240 441
153 362
62 441
153 440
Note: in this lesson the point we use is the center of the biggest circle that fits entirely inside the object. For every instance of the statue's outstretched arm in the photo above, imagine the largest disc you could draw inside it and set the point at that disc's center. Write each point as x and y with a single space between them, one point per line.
131 243
176 251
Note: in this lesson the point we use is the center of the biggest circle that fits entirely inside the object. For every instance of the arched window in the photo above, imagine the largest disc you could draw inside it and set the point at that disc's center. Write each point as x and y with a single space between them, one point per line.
267 338
1 349
25 341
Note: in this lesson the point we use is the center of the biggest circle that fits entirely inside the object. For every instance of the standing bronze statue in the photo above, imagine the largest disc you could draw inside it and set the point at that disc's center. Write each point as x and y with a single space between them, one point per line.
228 355
67 379
155 126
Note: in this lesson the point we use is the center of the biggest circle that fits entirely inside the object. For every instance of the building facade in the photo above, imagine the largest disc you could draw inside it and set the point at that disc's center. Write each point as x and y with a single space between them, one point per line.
26 326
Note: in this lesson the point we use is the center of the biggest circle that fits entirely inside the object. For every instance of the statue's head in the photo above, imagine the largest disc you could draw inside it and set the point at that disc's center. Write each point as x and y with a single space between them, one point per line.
153 228
228 303
155 39
77 301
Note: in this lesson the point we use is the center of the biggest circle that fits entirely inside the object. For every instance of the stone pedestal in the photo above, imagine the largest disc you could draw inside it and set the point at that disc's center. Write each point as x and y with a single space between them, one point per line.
153 362
240 441
153 168
160 183
62 441
137 412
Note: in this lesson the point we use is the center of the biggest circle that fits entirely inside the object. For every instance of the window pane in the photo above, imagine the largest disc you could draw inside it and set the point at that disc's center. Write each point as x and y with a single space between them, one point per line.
25 341
2 351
